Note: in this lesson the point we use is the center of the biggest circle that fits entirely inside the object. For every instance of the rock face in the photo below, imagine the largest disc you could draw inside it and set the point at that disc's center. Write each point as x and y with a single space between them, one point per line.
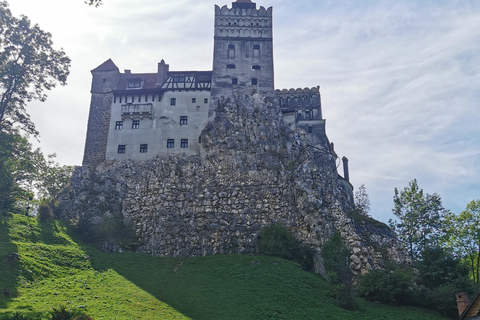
252 171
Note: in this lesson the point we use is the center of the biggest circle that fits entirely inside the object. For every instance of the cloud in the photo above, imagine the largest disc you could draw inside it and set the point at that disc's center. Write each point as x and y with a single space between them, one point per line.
399 80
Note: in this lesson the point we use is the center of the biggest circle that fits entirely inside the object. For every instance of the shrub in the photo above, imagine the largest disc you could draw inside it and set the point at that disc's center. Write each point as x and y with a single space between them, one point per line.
276 240
107 228
335 258
45 212
391 285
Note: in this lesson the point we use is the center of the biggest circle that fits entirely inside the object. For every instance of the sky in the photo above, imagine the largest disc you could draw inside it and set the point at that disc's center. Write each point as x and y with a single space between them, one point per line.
400 80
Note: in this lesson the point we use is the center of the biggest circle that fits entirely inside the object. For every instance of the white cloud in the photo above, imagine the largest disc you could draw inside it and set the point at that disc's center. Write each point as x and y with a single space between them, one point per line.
399 80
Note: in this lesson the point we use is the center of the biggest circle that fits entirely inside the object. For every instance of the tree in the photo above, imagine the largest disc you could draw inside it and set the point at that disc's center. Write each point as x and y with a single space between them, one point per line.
420 218
52 178
464 237
18 170
95 3
29 66
362 201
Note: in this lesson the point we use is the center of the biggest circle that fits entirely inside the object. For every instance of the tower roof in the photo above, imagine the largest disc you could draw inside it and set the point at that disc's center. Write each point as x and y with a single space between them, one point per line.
106 66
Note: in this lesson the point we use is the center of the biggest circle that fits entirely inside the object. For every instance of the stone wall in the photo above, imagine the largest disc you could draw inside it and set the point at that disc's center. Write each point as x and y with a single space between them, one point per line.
251 172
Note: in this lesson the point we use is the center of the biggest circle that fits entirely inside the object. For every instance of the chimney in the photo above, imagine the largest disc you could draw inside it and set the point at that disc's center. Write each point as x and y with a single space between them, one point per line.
163 68
127 71
462 302
345 169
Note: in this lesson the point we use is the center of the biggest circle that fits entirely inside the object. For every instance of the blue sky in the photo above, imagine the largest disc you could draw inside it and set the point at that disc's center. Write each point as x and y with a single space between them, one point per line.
400 80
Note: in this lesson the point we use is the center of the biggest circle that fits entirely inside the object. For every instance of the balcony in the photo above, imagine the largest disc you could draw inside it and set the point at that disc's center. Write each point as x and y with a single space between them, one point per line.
138 110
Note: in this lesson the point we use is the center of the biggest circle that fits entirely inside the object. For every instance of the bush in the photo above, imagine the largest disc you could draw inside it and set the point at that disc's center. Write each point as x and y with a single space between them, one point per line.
45 212
108 228
335 258
276 240
391 285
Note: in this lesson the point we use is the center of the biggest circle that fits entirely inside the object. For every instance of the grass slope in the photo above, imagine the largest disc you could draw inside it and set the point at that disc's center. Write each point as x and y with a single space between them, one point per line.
55 270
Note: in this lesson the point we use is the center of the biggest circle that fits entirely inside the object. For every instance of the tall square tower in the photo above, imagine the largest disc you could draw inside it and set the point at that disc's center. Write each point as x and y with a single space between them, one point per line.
243 50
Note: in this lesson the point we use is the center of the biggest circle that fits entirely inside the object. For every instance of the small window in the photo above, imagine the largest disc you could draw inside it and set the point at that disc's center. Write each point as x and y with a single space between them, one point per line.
254 81
183 120
135 124
121 148
184 143
231 46
143 148
234 80
134 84
194 100
310 129
256 67
119 125
230 66
199 139
170 143
173 101
104 80
205 100
256 47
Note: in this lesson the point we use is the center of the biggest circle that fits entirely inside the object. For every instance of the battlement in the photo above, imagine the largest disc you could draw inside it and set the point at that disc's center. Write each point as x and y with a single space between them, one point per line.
298 98
252 11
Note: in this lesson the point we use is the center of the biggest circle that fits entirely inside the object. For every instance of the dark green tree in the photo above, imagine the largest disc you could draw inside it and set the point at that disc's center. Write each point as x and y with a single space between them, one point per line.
29 66
420 219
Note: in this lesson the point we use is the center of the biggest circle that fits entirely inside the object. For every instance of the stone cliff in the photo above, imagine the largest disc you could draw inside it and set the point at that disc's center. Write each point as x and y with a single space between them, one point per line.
252 171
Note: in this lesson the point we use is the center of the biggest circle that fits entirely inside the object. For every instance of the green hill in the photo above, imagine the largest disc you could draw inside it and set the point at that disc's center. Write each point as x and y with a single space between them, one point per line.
55 270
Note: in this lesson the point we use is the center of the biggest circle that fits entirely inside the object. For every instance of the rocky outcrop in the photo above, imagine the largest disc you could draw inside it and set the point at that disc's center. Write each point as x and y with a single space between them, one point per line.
252 172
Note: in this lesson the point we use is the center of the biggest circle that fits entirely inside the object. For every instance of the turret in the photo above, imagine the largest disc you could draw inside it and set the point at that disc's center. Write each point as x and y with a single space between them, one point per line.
104 80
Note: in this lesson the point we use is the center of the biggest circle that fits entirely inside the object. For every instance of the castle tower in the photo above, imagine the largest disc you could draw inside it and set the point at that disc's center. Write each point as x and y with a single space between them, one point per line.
243 50
105 78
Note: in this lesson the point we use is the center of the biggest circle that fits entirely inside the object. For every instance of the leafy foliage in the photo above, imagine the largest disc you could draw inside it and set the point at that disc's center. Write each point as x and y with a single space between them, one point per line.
362 201
464 237
276 240
29 66
335 258
419 217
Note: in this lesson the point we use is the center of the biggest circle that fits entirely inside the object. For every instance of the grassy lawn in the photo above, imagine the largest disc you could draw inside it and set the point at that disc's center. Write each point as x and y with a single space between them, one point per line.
56 270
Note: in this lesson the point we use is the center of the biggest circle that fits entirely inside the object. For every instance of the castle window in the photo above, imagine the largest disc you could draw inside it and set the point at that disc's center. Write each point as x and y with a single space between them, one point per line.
231 51
256 47
254 81
183 120
310 129
256 67
230 66
135 124
170 143
199 139
194 100
104 80
143 148
121 148
205 100
173 101
119 125
146 98
234 80
120 99
134 83
184 143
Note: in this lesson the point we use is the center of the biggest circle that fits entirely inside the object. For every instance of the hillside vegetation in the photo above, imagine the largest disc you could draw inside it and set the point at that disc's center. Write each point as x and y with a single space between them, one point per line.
55 270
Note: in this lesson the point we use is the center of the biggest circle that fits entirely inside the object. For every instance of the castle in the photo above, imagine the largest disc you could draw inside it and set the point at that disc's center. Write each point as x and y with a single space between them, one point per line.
139 116
199 162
